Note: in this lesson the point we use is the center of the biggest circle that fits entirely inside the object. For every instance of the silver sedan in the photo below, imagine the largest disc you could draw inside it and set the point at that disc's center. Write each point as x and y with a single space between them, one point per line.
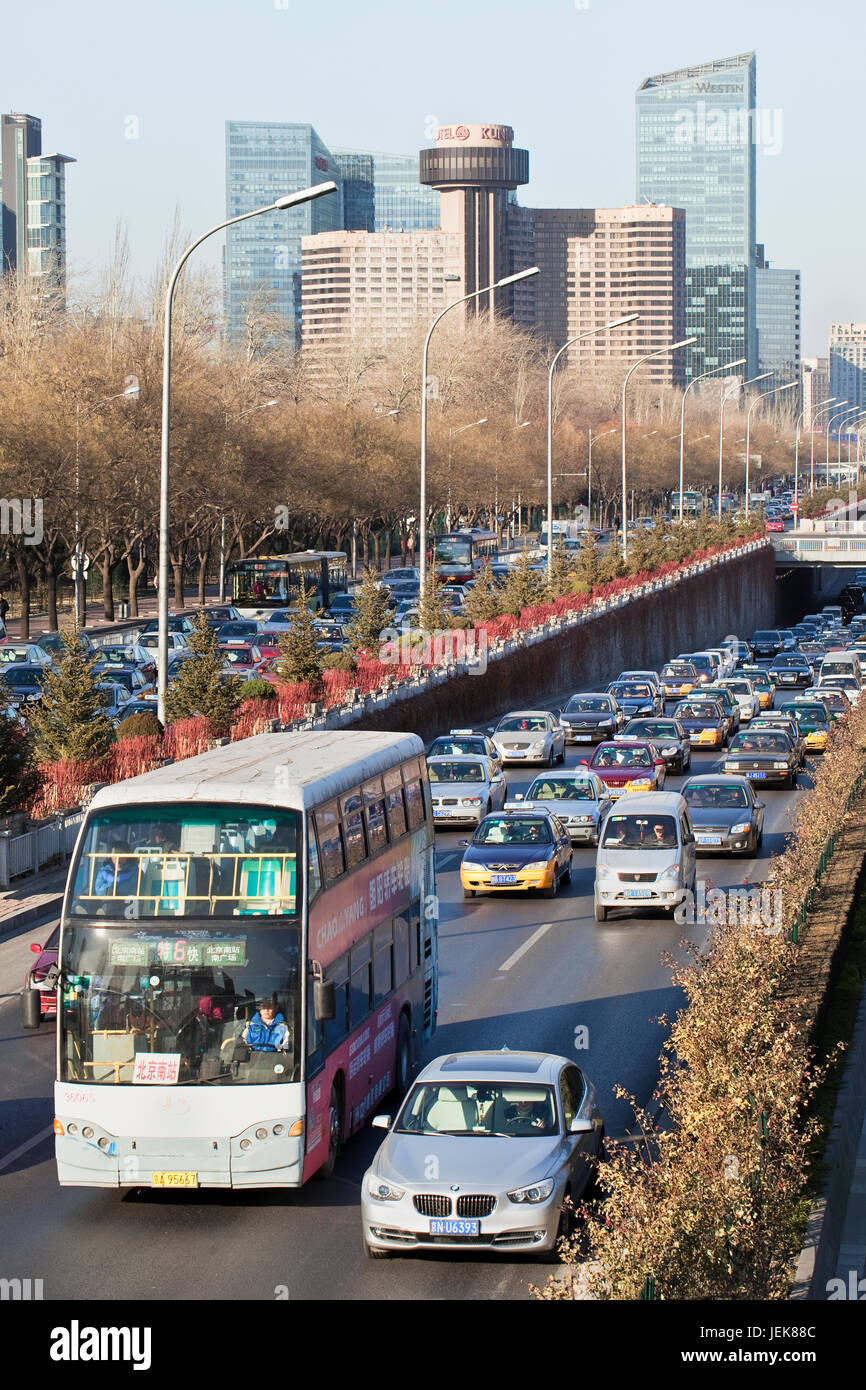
464 790
530 736
579 799
482 1155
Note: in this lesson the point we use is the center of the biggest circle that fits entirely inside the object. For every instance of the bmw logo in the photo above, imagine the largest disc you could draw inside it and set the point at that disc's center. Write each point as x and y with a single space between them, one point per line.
455 1187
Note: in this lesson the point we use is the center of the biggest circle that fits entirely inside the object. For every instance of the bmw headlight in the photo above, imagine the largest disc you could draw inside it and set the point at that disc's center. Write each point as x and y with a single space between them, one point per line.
471 801
582 820
382 1191
536 1192
742 828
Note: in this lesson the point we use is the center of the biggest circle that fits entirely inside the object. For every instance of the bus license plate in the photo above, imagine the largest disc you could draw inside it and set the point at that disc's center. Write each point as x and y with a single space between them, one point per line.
503 878
174 1179
454 1227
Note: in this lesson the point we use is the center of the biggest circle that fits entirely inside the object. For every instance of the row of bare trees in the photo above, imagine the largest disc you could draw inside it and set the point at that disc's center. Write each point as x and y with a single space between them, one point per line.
335 456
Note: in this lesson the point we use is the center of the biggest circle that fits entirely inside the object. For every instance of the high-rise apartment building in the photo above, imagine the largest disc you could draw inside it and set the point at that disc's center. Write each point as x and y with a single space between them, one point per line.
777 312
599 264
476 169
814 387
695 150
263 255
375 285
33 194
848 362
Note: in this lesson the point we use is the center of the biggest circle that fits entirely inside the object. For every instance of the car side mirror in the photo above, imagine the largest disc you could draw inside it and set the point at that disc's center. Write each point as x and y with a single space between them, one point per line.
464 844
381 1122
759 805
579 1126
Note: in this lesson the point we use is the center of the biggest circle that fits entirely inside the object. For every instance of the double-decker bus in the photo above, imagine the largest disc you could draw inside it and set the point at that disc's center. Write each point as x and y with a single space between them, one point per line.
266 582
458 555
248 961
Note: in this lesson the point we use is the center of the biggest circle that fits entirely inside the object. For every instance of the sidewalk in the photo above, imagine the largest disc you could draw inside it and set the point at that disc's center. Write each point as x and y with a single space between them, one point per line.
30 898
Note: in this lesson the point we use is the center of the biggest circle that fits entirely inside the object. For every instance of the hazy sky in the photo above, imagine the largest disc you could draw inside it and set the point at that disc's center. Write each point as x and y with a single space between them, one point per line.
380 75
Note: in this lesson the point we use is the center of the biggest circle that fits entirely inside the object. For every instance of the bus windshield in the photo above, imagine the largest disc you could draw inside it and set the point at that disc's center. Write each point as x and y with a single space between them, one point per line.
219 1005
451 552
188 860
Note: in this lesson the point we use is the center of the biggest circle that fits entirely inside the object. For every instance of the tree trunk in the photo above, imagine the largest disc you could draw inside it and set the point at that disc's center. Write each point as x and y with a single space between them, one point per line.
177 575
106 565
202 576
51 591
135 572
24 585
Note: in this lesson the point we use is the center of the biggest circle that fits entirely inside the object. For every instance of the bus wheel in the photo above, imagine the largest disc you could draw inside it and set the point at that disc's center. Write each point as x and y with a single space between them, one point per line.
403 1061
335 1133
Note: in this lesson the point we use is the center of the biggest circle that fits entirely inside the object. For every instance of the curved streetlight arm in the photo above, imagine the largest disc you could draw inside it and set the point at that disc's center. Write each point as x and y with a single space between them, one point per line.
305 195
659 352
588 333
761 396
726 395
422 517
813 417
703 377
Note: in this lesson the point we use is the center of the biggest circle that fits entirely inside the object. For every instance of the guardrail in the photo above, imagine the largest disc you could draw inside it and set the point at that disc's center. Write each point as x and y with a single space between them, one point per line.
816 547
30 851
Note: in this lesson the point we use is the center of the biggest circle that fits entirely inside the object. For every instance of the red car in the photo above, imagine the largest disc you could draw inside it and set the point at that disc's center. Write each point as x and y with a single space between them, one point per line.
36 975
242 656
774 524
628 765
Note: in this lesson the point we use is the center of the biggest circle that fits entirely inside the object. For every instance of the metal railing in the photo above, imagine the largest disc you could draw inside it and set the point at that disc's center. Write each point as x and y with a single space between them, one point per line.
31 851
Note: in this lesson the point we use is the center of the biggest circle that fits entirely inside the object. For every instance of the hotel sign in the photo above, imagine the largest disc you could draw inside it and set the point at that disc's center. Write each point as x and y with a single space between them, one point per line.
474 135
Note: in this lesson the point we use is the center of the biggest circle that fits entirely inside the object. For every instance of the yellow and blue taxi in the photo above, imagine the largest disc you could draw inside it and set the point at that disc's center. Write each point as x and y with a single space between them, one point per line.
523 847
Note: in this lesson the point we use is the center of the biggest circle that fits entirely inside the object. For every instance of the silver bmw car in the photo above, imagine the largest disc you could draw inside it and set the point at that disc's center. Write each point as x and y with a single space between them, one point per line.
481 1156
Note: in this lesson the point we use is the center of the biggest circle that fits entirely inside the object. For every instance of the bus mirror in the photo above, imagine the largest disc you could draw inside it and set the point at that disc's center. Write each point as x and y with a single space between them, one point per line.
324 1000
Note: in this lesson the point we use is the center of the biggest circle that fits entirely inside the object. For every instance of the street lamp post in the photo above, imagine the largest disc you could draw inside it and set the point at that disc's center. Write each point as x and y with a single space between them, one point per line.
813 415
265 405
422 515
602 328
589 467
290 200
659 352
726 395
836 417
727 367
773 391
811 411
79 598
451 434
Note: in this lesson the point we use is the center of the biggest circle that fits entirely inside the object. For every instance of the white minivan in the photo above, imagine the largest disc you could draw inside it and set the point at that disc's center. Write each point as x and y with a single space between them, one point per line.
845 663
646 854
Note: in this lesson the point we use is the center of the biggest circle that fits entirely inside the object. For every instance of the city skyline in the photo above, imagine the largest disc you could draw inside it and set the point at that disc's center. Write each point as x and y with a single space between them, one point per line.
167 151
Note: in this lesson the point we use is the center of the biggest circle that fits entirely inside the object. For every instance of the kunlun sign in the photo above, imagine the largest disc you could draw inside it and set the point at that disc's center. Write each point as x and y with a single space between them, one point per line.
474 135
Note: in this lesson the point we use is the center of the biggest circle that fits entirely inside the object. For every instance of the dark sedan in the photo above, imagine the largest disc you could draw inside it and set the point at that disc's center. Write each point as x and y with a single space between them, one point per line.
766 643
792 670
669 736
725 814
637 697
765 755
24 682
591 718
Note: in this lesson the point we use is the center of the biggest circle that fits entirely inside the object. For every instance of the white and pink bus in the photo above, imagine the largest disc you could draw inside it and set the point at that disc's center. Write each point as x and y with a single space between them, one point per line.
248 961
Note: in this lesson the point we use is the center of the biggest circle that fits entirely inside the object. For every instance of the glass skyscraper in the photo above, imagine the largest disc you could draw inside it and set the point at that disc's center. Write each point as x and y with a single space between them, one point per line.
400 202
263 255
777 307
695 150
33 205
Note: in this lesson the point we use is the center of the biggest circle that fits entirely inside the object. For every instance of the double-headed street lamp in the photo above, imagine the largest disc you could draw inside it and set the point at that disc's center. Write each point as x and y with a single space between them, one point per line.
836 418
726 368
290 200
659 352
726 396
773 391
230 420
422 515
602 328
451 434
811 411
612 430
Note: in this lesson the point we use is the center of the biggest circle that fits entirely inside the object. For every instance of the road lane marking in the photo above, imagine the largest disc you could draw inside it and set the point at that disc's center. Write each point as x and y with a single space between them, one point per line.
527 946
30 1144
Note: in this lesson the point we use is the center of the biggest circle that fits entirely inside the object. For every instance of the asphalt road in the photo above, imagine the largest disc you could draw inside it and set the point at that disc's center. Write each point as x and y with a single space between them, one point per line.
519 972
